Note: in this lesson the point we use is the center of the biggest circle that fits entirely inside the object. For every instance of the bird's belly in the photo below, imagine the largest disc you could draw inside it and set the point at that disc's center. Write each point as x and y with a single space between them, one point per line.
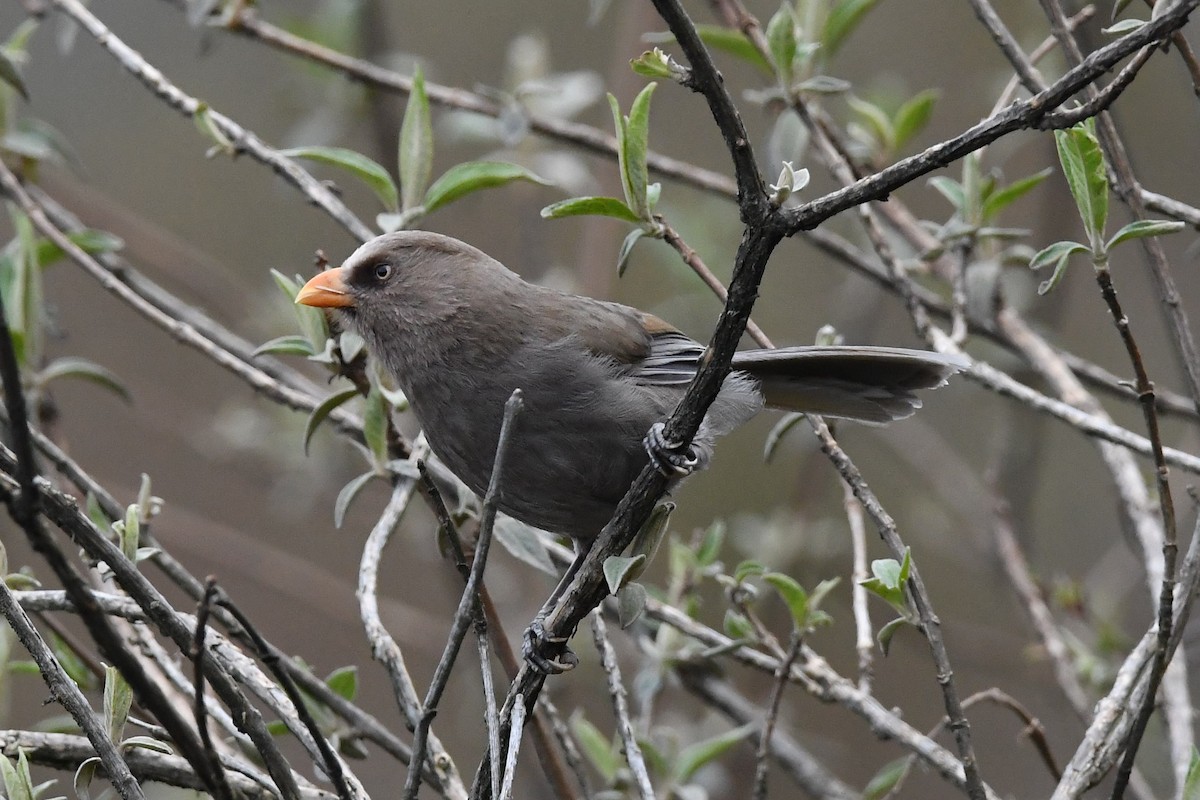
576 448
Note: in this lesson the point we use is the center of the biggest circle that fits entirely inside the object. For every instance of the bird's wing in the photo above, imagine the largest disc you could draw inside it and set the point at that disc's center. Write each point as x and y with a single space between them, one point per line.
640 345
673 358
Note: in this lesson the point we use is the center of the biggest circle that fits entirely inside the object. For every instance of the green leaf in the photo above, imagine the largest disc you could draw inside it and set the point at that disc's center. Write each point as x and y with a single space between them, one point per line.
619 570
323 410
346 497
118 699
599 206
1141 228
71 663
821 591
793 595
416 145
635 176
650 535
781 41
358 165
148 743
1191 784
24 301
202 116
351 344
914 115
626 250
89 241
825 84
737 626
311 321
343 681
887 571
710 544
375 426
656 64
472 176
952 190
727 40
1083 166
631 603
778 431
389 223
82 369
1057 254
887 778
695 756
888 631
1000 199
96 514
878 122
290 345
619 125
888 583
653 192
525 543
11 75
1123 27
843 18
129 531
17 45
82 781
748 569
596 746
17 780
973 184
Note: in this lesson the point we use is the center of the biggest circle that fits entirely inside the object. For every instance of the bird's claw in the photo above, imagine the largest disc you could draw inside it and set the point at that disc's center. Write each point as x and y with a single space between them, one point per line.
670 457
547 654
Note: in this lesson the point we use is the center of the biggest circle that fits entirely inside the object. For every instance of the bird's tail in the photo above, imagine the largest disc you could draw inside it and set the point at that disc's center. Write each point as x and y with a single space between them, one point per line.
875 385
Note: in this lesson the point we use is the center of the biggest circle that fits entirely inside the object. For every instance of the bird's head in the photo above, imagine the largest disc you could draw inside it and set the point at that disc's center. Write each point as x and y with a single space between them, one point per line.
403 281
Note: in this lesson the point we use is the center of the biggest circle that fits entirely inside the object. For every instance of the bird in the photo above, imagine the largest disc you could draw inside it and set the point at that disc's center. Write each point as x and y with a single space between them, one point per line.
459 332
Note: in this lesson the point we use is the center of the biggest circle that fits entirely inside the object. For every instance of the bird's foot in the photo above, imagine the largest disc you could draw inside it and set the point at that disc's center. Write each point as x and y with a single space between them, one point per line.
671 458
547 654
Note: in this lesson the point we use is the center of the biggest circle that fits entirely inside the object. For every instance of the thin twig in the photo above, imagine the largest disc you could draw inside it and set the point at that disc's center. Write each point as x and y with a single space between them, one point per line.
620 704
516 725
464 615
23 507
244 141
330 764
68 695
1019 115
762 758
805 769
1002 36
383 646
200 711
821 681
1170 545
64 751
64 513
1112 719
864 639
1016 567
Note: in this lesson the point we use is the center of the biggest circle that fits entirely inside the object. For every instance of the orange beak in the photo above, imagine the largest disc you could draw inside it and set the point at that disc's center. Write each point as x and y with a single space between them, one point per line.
327 290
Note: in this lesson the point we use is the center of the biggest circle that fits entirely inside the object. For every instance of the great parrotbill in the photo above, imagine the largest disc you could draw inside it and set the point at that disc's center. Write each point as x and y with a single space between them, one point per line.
459 332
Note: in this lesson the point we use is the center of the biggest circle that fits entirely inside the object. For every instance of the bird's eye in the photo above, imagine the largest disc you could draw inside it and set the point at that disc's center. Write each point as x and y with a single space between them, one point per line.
383 271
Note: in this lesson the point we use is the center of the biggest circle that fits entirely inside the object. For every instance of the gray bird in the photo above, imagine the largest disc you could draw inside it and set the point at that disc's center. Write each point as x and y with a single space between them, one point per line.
459 332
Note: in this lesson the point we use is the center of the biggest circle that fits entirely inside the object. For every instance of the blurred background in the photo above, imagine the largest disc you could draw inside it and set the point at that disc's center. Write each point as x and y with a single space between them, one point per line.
243 502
